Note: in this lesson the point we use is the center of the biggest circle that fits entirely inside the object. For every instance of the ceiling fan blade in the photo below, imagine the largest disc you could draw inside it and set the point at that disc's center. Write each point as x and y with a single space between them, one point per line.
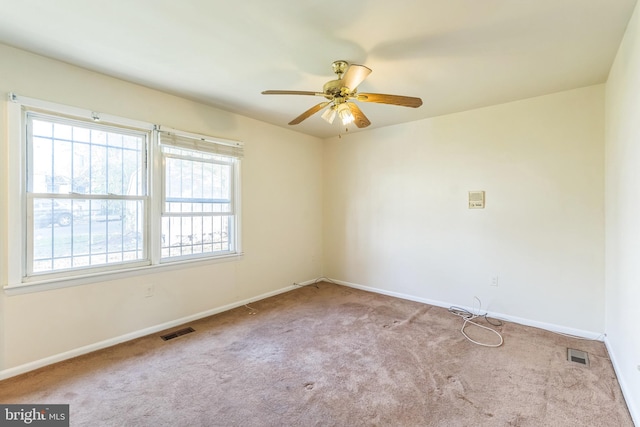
404 101
311 111
360 119
355 75
291 92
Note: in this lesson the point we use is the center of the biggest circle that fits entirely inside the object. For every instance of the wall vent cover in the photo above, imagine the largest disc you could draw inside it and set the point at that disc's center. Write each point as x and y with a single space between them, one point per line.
578 356
177 334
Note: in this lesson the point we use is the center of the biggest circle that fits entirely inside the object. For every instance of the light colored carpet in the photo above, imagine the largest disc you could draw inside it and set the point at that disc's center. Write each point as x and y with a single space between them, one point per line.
333 356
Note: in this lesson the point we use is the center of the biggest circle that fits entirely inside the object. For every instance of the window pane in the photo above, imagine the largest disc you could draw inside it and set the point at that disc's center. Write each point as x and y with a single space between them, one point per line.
192 185
197 234
85 160
42 166
74 233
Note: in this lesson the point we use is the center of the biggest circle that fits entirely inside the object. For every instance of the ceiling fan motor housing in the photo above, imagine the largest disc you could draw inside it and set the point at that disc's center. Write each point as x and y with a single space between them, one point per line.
332 88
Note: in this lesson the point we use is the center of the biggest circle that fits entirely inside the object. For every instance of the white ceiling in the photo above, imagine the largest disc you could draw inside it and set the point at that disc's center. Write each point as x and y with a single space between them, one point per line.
454 54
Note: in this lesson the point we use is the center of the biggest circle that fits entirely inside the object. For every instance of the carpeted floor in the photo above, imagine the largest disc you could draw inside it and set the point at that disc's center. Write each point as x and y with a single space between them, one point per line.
333 356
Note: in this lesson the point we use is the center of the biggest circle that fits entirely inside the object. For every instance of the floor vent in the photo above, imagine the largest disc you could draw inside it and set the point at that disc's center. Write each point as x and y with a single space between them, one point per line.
177 334
578 356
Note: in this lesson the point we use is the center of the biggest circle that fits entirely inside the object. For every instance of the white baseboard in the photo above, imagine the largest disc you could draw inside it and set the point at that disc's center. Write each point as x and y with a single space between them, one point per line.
21 369
633 410
522 321
308 282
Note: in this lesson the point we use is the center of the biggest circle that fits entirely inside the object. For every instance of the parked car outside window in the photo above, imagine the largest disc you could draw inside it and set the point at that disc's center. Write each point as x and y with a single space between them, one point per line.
55 212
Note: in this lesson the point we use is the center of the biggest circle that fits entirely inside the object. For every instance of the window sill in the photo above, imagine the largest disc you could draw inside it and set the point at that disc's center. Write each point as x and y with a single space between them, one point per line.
65 282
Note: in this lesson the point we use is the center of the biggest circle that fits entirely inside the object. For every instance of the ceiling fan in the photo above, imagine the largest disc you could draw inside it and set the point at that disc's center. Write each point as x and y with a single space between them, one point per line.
341 91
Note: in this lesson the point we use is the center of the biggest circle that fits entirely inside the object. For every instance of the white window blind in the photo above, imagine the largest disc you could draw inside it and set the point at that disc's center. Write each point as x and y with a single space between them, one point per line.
201 143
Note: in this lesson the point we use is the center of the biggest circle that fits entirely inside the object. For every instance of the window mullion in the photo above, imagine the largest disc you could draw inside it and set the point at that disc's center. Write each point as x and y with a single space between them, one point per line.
155 206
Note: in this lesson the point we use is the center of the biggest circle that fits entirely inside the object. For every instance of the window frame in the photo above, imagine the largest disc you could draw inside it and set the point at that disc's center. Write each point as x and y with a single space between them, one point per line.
18 281
29 195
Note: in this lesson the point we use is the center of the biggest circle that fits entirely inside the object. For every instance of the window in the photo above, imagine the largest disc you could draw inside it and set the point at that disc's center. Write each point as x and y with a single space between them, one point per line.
86 194
108 194
198 198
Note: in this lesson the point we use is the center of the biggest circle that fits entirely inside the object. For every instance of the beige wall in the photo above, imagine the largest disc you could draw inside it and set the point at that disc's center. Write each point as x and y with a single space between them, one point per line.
281 221
623 214
397 221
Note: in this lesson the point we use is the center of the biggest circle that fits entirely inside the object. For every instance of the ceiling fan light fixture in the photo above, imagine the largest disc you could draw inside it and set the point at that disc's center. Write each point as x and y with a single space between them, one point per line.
329 114
340 91
345 114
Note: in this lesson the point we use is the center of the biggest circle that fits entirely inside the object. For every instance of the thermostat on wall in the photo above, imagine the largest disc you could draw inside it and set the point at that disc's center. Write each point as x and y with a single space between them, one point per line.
476 199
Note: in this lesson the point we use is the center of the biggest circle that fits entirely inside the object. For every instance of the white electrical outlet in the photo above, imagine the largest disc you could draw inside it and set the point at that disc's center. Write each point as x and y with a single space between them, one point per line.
148 291
494 281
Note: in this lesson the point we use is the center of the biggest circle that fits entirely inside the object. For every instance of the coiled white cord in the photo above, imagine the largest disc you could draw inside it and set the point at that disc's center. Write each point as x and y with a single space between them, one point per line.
469 317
